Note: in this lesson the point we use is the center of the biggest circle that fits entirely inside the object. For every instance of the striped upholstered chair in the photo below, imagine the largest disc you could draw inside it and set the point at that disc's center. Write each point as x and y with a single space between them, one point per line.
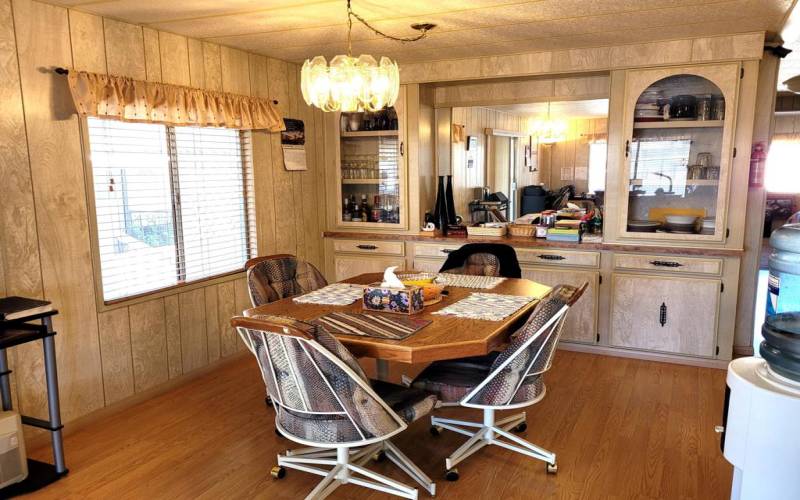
513 378
323 400
276 277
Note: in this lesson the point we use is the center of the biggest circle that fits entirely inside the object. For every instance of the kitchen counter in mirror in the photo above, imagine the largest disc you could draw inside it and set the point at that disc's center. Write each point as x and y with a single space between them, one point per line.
522 242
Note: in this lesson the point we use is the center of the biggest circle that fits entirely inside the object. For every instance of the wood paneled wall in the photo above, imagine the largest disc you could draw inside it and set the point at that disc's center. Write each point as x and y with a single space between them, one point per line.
466 180
571 154
107 354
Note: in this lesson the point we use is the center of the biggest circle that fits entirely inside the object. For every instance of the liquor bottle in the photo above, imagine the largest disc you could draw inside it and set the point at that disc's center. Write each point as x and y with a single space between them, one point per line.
347 215
355 209
364 209
377 211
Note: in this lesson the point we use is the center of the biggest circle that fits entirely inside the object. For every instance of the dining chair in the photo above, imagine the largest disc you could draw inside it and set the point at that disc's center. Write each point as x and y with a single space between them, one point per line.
275 277
483 259
513 378
325 402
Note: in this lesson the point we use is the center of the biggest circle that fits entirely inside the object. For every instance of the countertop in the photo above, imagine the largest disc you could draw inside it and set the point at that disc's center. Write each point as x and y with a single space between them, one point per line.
523 242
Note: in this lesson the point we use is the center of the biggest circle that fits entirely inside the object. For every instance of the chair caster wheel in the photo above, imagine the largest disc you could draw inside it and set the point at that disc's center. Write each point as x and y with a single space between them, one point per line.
435 430
452 475
552 468
278 433
522 427
268 401
379 456
278 472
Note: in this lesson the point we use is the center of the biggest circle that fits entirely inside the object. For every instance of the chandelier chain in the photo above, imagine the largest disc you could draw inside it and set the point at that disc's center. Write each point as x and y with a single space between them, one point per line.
351 15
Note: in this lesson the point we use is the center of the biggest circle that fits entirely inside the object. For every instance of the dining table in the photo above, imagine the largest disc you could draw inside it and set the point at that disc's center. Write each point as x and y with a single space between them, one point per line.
445 337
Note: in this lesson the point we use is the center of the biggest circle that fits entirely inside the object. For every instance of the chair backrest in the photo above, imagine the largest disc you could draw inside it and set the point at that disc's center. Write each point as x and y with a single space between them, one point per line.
276 277
321 394
483 259
515 377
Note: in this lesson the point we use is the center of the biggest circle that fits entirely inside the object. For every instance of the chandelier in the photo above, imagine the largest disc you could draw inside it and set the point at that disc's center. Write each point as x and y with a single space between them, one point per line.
549 131
354 83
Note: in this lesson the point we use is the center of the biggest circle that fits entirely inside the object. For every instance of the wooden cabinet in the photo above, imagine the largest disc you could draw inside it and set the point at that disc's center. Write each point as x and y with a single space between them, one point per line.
677 152
427 265
663 313
581 324
370 164
347 266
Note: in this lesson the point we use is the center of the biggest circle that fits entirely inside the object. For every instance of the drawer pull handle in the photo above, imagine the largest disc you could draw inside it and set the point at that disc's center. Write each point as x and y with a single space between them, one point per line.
666 263
367 247
447 250
662 314
551 257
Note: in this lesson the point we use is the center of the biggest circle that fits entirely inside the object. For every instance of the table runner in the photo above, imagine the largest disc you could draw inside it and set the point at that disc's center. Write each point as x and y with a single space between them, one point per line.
336 294
486 306
382 326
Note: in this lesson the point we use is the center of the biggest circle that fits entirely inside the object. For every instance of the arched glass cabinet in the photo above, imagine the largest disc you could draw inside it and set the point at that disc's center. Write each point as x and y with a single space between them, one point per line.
678 152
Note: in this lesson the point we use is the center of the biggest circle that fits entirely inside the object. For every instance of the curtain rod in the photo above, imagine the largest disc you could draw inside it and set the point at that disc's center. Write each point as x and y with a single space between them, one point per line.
65 71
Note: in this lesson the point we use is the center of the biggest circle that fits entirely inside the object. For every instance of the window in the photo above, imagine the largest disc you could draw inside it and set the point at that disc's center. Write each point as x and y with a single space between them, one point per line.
173 204
597 166
660 164
782 174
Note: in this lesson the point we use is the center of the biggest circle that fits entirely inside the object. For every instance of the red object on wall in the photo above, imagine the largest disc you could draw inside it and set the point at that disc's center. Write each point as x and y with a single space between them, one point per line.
758 160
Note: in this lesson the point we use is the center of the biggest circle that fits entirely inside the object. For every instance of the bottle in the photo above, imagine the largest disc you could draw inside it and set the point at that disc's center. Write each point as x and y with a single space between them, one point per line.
377 211
347 215
364 209
355 209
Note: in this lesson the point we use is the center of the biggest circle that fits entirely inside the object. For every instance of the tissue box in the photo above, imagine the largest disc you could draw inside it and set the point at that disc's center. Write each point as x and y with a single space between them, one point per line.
406 300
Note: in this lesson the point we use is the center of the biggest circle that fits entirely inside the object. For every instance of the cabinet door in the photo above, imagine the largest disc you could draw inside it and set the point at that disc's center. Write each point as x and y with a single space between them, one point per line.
428 265
677 153
581 323
348 266
660 313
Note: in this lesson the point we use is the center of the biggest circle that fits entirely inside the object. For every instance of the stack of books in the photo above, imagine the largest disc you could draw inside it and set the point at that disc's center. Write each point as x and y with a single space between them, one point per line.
558 234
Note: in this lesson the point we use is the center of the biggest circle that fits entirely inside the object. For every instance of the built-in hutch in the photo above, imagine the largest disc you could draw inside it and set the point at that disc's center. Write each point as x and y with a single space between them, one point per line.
666 292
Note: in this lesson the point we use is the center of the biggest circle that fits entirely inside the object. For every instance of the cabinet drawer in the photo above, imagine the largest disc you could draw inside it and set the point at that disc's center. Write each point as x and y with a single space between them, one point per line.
369 247
669 263
435 250
558 257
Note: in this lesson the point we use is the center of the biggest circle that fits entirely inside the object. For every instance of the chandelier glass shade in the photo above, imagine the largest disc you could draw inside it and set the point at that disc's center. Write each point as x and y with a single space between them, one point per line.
350 84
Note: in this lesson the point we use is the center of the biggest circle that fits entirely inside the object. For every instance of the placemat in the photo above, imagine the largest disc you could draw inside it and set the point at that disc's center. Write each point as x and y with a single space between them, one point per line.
459 280
486 306
376 325
337 294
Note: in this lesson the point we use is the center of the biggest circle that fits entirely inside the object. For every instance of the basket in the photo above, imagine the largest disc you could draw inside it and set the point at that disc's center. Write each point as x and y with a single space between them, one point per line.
486 231
523 230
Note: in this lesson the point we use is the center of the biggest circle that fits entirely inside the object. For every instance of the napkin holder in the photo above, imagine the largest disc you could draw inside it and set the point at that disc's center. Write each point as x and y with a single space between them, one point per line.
407 300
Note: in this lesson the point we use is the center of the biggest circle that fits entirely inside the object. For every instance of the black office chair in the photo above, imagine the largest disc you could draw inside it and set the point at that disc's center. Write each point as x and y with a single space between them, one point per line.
483 259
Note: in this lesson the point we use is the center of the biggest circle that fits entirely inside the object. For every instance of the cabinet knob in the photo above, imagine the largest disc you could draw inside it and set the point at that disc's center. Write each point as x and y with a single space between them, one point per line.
367 247
662 314
447 250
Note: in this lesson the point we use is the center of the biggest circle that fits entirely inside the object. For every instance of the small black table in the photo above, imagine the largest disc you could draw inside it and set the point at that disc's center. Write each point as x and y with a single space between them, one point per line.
22 331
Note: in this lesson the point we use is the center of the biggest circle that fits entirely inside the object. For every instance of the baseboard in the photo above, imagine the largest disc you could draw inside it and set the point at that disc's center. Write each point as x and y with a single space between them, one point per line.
41 440
742 351
720 364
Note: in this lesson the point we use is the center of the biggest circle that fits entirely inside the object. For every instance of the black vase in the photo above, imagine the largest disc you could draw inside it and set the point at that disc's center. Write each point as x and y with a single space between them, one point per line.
451 205
440 217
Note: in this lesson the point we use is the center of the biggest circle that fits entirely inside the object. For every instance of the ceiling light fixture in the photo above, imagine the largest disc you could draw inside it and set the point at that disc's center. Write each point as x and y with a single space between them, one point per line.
549 131
354 84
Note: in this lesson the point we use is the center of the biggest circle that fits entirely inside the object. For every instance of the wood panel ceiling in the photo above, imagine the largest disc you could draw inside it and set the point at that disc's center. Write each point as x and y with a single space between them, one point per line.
294 30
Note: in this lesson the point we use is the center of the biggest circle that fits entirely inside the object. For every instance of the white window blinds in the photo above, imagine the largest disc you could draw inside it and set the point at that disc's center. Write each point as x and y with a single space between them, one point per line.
173 204
660 164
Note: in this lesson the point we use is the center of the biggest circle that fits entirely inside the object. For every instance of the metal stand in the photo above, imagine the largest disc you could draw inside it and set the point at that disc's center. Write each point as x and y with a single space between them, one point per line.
18 333
347 462
490 432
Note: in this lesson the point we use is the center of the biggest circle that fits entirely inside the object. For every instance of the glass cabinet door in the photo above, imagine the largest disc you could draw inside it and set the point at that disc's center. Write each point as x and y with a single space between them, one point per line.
371 171
678 155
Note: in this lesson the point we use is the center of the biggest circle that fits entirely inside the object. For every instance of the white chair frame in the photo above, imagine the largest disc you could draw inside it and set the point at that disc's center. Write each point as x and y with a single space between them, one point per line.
491 430
347 460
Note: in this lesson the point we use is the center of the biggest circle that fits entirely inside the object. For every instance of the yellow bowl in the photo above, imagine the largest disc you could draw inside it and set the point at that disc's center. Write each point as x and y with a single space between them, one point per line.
419 282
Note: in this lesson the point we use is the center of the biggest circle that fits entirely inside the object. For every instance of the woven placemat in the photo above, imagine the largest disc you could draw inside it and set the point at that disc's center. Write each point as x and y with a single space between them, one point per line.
382 326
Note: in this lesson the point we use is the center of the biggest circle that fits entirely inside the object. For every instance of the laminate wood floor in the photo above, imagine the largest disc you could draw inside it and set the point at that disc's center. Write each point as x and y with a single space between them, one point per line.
622 429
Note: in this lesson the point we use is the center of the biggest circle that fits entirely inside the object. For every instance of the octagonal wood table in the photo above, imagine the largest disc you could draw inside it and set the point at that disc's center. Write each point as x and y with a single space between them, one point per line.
447 337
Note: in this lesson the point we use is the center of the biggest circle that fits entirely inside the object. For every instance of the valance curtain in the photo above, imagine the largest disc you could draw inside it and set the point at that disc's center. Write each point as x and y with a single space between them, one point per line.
121 98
